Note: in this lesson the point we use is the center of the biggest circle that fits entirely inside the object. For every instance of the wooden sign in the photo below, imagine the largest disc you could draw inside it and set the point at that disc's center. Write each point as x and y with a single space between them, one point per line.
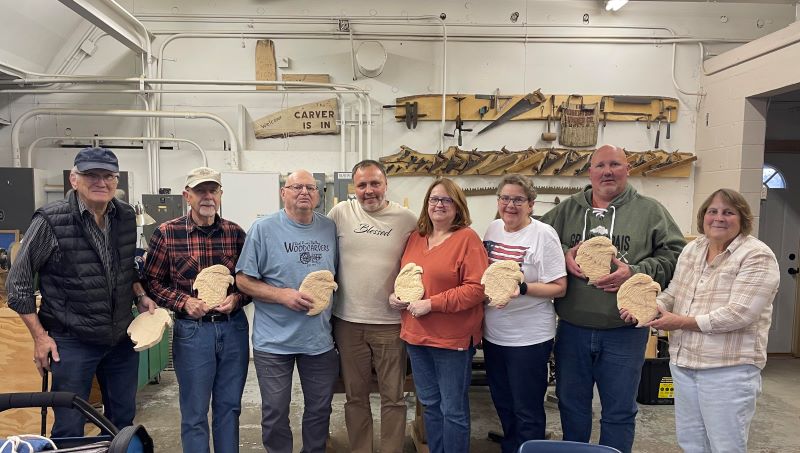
266 69
307 119
317 78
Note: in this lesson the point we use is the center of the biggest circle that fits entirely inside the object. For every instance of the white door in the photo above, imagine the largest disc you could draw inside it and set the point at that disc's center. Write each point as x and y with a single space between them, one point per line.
778 229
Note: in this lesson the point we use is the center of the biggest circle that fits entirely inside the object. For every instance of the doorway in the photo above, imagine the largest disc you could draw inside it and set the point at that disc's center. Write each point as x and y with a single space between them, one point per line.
780 216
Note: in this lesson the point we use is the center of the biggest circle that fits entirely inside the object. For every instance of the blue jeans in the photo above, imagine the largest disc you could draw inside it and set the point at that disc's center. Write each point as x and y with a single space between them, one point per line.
210 362
117 370
518 382
611 358
442 378
318 374
714 407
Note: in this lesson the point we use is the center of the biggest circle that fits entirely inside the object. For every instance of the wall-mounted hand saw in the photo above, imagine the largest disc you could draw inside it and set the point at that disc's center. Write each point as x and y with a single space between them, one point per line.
528 102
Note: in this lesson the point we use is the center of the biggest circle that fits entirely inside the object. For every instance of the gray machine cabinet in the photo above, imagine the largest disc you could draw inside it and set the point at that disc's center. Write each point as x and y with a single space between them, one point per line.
343 186
21 193
161 208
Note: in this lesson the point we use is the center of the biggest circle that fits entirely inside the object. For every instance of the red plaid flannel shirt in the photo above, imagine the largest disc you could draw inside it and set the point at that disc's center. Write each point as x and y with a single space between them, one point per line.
179 250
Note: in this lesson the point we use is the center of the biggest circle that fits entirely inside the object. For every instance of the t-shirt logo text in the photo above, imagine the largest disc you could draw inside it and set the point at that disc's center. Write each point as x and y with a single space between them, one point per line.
309 252
369 229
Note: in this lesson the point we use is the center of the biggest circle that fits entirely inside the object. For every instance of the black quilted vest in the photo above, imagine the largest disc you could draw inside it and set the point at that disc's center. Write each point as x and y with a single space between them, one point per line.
77 298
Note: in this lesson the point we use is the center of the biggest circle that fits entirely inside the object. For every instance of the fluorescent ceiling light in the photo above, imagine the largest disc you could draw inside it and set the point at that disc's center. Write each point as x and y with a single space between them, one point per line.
614 5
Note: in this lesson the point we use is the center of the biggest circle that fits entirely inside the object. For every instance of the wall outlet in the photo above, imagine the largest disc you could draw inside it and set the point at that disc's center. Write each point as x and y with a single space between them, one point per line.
282 62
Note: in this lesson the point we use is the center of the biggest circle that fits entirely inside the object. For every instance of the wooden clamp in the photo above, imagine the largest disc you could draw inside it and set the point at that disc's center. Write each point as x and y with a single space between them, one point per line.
679 162
542 162
646 160
410 113
531 159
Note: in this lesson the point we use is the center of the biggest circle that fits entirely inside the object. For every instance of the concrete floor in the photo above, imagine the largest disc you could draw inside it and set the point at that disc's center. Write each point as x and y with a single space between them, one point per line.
776 427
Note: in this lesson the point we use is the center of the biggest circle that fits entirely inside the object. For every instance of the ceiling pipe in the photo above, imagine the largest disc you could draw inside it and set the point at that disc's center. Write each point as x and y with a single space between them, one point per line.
672 73
33 144
355 19
145 81
149 90
327 20
114 19
342 157
357 91
332 88
15 129
784 41
342 114
123 26
12 70
367 100
615 5
474 37
405 36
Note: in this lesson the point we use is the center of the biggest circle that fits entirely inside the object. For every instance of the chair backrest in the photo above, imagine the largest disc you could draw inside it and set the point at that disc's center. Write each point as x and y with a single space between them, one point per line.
563 446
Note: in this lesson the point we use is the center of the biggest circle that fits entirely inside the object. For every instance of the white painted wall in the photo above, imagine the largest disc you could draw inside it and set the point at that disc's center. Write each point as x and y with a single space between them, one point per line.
412 68
32 32
732 129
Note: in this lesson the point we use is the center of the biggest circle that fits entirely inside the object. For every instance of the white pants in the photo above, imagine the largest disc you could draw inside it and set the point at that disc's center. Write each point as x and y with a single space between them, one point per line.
714 407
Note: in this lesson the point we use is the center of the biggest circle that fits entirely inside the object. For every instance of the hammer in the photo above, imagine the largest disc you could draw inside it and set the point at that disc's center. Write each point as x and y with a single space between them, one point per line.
669 118
658 132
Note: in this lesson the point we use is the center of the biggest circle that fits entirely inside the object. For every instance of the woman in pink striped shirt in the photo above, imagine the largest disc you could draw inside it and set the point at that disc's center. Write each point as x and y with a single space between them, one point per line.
718 310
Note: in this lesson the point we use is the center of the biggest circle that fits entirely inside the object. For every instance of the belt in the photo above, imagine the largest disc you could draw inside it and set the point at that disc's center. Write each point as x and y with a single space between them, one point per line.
211 317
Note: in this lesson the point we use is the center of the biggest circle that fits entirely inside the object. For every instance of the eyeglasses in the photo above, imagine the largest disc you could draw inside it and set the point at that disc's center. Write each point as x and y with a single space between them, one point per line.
505 199
202 191
109 178
299 187
445 201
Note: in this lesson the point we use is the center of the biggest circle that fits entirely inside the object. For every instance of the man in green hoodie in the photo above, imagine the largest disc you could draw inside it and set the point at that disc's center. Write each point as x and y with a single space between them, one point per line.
593 344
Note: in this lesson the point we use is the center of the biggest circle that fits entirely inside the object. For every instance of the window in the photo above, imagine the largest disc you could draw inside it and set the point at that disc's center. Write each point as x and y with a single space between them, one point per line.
773 178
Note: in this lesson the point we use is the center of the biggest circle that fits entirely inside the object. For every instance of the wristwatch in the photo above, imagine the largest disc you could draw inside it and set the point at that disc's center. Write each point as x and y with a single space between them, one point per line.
139 297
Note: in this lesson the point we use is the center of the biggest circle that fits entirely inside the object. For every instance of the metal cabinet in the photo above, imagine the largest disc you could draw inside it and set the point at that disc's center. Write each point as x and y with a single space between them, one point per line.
153 361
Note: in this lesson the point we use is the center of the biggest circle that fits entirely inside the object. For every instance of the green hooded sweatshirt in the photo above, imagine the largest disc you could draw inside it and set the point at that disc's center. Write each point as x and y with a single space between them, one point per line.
646 237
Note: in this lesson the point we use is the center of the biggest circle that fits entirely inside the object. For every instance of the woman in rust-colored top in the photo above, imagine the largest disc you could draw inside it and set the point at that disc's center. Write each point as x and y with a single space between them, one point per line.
441 328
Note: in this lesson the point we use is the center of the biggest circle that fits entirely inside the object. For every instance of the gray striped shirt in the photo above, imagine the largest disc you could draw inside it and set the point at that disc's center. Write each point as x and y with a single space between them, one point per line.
40 244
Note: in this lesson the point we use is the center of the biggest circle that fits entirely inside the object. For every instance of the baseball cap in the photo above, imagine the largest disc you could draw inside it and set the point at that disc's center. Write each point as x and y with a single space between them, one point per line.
96 158
201 175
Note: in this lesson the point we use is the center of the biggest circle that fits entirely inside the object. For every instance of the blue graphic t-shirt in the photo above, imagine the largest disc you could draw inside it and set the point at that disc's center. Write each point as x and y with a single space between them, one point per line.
281 252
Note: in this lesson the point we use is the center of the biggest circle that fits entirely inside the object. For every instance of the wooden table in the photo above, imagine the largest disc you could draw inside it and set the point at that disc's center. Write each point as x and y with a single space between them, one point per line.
20 375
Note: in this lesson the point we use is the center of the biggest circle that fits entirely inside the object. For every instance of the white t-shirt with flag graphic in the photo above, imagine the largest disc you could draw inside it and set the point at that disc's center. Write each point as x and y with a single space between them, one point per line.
526 320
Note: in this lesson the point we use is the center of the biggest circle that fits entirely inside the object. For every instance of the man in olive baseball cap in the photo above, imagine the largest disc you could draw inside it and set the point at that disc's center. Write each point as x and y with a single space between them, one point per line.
214 325
202 174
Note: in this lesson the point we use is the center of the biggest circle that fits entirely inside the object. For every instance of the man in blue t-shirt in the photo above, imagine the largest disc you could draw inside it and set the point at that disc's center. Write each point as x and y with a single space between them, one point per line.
280 250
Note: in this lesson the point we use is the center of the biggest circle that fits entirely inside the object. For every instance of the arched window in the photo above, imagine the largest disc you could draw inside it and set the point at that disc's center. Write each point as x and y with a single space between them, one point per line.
773 178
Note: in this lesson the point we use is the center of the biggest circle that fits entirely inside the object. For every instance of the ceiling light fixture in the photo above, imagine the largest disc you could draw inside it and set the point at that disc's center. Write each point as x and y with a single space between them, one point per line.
614 5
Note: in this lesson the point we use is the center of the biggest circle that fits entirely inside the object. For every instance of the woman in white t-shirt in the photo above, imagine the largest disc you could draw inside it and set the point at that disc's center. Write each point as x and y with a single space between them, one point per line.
518 338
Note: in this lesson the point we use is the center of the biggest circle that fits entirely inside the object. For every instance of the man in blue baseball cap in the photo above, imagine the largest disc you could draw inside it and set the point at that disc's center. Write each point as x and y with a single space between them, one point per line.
96 159
83 248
